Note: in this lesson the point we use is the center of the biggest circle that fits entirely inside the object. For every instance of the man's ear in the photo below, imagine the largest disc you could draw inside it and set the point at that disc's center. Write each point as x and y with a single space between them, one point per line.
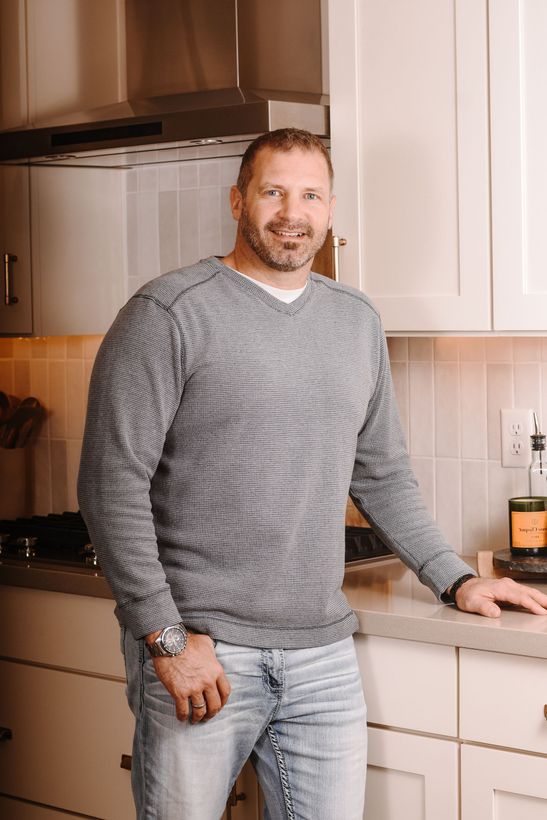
236 202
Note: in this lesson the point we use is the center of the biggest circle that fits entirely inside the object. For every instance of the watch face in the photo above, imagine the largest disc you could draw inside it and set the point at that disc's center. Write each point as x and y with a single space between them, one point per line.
173 640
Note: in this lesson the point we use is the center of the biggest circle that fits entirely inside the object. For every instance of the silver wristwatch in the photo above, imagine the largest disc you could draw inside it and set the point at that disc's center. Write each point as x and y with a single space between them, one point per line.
170 642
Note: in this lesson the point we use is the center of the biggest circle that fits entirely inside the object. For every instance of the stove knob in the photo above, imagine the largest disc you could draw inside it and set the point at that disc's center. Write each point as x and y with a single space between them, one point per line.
91 559
26 547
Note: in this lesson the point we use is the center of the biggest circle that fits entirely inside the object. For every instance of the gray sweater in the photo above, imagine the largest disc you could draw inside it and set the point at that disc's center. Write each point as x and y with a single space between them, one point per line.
223 432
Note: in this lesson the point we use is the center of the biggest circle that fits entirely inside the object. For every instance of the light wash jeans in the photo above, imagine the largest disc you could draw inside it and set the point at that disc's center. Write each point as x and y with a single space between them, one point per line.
299 714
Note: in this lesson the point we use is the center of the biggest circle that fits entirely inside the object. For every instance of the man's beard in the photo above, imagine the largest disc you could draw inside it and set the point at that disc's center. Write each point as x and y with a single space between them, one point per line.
287 256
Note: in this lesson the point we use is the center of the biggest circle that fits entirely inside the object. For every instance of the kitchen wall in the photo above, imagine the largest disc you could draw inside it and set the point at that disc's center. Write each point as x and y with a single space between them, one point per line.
449 392
449 389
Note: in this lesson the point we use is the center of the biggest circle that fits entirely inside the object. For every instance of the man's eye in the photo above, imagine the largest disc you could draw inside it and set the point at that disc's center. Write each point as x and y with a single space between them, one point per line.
311 195
273 192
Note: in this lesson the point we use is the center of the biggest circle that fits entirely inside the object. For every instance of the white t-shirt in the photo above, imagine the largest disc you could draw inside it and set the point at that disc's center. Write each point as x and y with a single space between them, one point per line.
279 293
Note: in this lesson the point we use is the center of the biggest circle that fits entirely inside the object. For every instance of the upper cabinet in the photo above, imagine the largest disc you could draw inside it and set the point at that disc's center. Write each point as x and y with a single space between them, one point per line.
16 290
518 67
413 136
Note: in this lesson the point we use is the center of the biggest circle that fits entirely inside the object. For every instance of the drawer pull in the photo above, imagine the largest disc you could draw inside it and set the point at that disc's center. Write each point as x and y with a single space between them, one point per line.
125 762
6 734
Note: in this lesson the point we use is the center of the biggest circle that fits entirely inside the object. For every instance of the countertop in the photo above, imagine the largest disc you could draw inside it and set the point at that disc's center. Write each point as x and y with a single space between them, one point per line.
390 602
386 596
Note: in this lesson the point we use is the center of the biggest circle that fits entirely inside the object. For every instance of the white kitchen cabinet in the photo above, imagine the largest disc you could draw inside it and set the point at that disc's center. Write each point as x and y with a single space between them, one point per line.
15 316
428 700
413 686
501 785
69 734
502 701
62 694
409 136
426 707
411 776
66 228
518 65
78 249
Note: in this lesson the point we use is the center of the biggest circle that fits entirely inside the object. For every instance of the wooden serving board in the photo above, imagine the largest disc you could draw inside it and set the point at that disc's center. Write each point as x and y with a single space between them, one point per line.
530 566
503 563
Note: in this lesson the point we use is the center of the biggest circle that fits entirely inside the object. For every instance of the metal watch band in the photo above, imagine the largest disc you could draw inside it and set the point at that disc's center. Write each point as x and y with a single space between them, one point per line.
158 649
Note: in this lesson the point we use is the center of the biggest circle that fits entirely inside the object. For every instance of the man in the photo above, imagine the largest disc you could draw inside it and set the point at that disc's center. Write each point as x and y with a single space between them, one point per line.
232 406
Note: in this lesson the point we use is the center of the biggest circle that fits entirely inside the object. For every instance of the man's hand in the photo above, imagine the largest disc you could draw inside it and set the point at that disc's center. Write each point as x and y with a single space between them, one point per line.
195 676
480 595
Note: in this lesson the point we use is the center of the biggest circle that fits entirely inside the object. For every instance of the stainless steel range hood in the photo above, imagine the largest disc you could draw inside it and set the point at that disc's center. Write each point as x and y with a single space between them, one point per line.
197 73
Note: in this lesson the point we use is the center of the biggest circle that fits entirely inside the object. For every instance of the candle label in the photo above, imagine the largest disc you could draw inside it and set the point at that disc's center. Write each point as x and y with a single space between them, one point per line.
529 529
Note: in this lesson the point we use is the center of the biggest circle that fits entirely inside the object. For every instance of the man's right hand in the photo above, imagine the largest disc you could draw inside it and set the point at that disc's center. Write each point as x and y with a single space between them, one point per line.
195 676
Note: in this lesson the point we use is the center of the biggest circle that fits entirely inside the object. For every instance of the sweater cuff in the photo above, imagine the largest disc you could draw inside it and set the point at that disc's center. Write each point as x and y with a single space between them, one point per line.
149 614
444 570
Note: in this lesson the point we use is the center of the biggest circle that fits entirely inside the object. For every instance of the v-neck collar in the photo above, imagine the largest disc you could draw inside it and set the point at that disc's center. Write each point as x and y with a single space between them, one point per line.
289 308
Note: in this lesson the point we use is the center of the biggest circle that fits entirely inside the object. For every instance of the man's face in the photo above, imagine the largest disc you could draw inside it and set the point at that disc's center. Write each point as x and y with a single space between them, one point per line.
287 209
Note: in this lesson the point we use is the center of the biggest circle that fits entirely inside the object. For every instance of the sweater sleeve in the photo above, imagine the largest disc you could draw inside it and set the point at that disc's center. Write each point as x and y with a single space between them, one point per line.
135 390
384 488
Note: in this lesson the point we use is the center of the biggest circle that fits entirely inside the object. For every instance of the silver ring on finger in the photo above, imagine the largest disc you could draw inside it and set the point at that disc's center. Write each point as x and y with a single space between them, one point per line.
198 705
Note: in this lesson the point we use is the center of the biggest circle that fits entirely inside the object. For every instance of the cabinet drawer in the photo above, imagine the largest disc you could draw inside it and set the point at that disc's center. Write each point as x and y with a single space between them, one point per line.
58 629
69 732
408 684
13 809
502 699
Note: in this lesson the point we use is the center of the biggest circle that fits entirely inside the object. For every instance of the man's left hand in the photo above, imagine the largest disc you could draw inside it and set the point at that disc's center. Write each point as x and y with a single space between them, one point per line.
480 595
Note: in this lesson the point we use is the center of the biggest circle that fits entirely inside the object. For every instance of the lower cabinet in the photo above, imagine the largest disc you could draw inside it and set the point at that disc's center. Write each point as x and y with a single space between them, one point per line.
68 734
14 809
411 776
502 785
66 724
453 730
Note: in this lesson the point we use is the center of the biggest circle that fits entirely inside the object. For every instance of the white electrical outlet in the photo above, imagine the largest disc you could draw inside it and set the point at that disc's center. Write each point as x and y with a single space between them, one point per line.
516 428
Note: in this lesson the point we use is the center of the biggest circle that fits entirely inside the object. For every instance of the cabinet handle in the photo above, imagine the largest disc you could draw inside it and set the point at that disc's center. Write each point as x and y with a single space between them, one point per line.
337 243
233 799
125 762
5 733
545 711
8 298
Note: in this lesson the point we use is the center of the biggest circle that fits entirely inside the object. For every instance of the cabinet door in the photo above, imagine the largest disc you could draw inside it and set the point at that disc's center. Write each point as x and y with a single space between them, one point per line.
428 700
502 700
411 776
69 732
78 249
498 785
15 317
518 64
13 65
409 135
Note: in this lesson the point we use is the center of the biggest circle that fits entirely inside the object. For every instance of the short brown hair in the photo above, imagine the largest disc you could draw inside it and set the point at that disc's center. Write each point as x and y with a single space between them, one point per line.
283 139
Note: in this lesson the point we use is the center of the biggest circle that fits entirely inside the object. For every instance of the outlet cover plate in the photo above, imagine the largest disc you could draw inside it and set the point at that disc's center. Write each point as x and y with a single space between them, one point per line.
517 425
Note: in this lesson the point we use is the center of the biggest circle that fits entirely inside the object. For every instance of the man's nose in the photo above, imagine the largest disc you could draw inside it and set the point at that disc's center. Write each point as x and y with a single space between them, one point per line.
290 208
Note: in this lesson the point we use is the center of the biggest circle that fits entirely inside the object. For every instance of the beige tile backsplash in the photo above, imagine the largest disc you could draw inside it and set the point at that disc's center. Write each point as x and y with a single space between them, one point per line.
449 392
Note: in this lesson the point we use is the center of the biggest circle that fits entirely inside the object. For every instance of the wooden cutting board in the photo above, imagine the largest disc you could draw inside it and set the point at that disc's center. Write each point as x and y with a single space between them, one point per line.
504 563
